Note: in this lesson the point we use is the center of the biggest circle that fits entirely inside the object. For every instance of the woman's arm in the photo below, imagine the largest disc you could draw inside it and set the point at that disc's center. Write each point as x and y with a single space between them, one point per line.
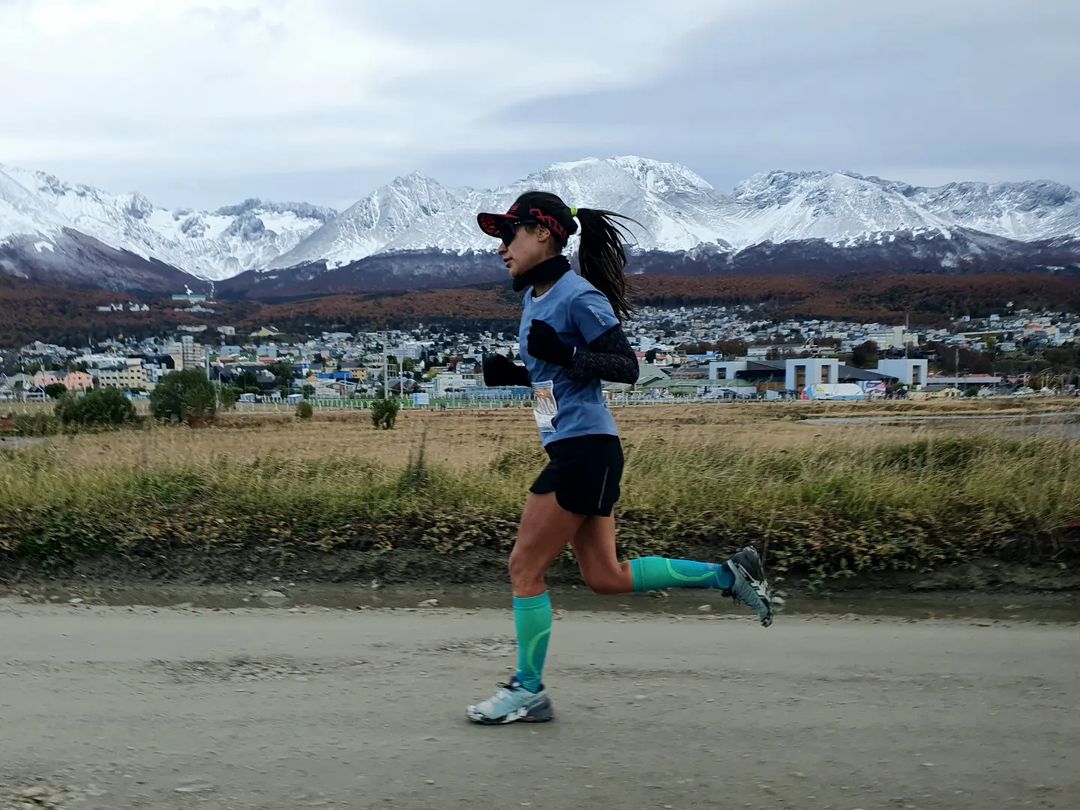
609 357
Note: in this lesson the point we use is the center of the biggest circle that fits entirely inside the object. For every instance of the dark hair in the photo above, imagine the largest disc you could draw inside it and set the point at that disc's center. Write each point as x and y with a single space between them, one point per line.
602 254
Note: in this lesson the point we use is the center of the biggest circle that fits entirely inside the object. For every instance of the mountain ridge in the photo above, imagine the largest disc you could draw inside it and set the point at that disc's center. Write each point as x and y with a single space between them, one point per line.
423 233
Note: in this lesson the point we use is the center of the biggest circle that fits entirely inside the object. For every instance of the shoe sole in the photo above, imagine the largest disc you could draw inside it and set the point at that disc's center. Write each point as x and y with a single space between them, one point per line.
740 572
539 714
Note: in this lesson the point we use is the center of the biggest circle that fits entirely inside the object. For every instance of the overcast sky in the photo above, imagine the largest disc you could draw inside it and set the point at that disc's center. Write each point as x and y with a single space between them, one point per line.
206 102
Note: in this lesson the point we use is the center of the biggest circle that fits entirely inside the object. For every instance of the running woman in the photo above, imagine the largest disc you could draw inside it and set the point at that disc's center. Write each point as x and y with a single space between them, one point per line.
570 339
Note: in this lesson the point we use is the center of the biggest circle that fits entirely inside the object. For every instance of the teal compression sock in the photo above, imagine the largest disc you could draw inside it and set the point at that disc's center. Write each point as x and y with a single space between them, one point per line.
657 573
532 620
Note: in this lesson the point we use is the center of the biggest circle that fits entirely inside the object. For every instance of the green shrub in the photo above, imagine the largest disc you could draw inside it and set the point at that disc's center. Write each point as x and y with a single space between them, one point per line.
184 396
304 410
55 390
384 413
228 396
99 407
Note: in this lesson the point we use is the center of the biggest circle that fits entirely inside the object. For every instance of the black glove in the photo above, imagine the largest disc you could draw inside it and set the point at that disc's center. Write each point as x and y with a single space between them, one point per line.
501 370
545 344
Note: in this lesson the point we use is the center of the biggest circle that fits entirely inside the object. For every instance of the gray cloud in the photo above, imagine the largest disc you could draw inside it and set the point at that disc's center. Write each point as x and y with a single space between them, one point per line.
323 100
927 92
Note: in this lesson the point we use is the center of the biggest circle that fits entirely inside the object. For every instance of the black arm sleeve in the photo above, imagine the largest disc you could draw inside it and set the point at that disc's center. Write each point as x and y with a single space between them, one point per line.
609 357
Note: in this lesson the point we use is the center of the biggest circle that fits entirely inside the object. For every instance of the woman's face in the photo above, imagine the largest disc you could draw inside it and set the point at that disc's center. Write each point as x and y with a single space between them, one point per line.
528 245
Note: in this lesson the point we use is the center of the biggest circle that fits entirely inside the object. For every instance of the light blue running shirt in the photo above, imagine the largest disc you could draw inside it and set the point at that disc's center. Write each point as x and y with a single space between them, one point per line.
566 407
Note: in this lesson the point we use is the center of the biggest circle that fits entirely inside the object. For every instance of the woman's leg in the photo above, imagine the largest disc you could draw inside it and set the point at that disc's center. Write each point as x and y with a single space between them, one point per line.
741 576
594 547
544 531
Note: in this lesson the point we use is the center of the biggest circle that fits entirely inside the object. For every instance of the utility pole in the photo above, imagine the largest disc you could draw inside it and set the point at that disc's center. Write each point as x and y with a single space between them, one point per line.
385 371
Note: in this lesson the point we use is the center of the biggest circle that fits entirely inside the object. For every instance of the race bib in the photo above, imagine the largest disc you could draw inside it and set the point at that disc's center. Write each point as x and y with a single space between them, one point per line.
546 408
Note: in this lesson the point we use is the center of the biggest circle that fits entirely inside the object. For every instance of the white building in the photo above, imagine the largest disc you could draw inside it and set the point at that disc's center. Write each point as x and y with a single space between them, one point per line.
892 337
911 373
449 383
801 372
725 369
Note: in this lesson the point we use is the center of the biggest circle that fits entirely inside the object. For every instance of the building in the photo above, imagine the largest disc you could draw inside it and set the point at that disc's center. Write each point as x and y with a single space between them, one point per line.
450 383
967 381
650 377
763 374
192 354
20 388
74 381
805 371
892 337
722 370
795 374
129 378
912 373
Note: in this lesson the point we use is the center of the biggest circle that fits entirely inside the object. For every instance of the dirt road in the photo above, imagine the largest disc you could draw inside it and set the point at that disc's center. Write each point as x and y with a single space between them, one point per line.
134 707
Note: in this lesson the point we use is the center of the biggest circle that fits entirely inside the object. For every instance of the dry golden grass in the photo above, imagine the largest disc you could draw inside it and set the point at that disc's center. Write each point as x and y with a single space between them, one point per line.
463 440
827 498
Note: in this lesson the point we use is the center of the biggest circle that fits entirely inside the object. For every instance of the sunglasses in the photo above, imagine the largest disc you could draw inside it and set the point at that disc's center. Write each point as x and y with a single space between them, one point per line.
509 230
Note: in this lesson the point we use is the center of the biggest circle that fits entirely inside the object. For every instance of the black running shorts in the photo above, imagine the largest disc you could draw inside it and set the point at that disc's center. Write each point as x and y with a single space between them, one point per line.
584 473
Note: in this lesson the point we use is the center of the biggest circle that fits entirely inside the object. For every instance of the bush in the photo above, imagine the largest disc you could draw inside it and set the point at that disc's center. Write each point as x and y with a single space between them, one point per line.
55 390
36 424
229 395
184 396
304 410
384 413
100 407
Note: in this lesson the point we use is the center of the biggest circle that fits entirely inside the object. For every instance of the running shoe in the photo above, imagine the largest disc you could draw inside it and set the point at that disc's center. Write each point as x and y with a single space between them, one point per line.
512 703
750 587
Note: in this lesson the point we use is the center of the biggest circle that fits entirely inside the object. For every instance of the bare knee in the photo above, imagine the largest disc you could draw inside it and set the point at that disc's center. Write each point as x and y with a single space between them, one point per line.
526 575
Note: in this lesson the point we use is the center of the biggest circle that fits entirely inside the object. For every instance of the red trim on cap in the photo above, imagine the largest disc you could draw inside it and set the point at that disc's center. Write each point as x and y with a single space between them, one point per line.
549 222
491 223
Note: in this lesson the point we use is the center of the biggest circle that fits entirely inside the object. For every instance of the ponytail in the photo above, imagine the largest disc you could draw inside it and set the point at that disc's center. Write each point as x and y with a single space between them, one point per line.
602 255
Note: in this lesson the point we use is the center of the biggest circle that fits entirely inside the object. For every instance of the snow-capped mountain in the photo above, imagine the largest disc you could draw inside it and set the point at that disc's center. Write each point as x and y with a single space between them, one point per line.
211 245
844 206
679 211
1024 211
415 228
838 207
375 223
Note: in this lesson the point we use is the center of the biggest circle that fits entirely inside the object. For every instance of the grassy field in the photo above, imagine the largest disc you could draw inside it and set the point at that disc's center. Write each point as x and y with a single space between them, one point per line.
440 495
